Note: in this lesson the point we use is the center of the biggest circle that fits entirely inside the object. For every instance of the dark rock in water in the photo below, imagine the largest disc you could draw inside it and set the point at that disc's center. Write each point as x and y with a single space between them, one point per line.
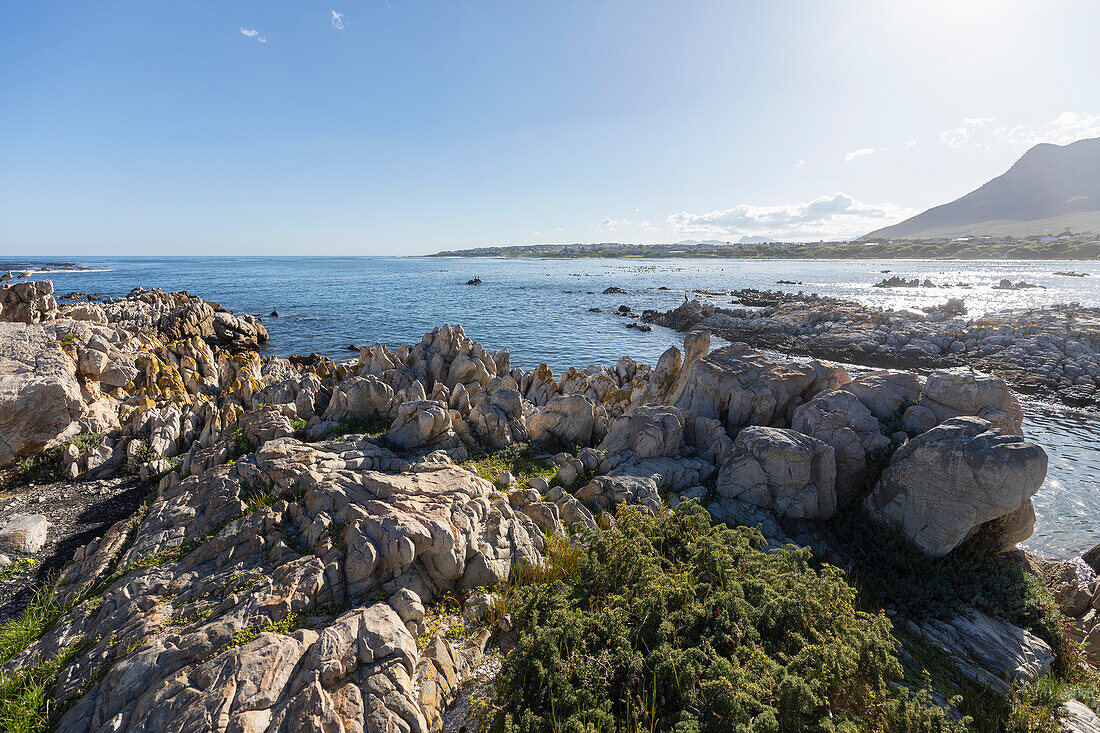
644 327
1071 273
624 308
901 282
1006 284
1092 558
595 310
273 314
788 282
953 307
475 281
664 287
351 347
614 291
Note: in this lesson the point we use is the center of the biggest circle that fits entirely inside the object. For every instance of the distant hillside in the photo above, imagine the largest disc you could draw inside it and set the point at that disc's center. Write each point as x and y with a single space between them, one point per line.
1050 188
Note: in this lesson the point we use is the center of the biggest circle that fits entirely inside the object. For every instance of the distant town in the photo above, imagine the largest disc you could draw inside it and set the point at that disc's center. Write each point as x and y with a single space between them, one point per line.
1064 246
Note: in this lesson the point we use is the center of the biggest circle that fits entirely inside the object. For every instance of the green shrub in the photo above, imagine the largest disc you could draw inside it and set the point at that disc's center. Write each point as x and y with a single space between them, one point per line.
671 623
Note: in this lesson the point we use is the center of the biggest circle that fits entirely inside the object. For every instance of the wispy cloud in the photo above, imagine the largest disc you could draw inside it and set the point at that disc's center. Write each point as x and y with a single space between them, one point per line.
253 33
858 154
337 20
981 132
799 164
838 216
613 224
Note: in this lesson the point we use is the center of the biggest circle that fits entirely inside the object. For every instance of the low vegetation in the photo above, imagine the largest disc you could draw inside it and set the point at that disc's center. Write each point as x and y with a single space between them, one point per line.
374 428
518 458
672 623
45 467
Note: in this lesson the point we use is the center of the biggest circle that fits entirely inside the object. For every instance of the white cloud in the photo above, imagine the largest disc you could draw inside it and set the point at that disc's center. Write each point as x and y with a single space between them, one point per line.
612 224
1063 129
858 154
253 33
829 217
799 164
337 20
909 144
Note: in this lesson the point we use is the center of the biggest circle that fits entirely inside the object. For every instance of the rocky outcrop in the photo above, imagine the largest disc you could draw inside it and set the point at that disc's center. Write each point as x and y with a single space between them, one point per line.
988 650
782 470
297 611
940 487
40 397
1053 351
28 302
739 386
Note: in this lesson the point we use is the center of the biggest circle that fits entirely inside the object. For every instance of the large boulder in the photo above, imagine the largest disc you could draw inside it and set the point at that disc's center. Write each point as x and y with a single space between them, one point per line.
424 425
649 431
840 419
360 397
783 470
885 394
941 486
566 419
40 398
740 386
951 393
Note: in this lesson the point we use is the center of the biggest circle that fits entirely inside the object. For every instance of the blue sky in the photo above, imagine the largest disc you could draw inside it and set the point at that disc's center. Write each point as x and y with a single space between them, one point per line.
404 127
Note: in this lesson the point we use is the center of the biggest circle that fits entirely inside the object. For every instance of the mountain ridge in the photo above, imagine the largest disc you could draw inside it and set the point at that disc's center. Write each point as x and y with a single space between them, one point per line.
1049 188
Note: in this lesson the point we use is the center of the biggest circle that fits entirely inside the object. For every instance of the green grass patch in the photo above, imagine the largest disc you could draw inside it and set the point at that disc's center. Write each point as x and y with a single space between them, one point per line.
374 427
286 625
517 458
16 567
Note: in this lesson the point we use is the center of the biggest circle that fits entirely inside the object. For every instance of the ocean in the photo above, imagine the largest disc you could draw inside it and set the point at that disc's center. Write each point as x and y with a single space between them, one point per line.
539 310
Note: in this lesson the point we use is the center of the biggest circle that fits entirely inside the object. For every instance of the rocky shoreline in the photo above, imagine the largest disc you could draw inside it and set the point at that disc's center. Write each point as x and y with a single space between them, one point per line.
326 544
1051 352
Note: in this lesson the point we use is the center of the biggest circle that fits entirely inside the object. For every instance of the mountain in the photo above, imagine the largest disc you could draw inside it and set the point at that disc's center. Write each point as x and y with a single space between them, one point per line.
1050 188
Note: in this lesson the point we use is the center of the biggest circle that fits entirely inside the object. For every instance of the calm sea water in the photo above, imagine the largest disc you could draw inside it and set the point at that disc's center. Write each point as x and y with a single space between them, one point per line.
539 310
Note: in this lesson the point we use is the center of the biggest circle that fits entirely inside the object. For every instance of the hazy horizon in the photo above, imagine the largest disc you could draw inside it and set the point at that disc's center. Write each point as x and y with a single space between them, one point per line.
399 128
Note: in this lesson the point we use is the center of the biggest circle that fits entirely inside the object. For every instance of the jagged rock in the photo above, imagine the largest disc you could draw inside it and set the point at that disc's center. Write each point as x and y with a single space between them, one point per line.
360 397
28 302
1076 717
779 469
740 387
648 431
1070 590
261 424
24 533
423 425
941 486
988 650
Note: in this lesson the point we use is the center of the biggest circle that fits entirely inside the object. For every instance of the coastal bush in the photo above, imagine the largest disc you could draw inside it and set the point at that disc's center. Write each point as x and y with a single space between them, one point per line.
518 458
671 623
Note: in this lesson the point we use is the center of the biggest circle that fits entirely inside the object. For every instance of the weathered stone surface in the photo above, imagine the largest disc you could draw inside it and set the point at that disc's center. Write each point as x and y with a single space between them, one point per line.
957 392
988 650
27 302
740 387
24 533
941 486
565 420
40 398
424 425
649 431
841 420
779 469
360 397
261 424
